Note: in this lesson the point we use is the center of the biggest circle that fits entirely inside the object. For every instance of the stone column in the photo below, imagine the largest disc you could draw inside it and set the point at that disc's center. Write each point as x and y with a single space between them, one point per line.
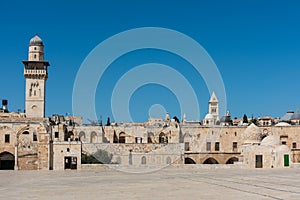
16 157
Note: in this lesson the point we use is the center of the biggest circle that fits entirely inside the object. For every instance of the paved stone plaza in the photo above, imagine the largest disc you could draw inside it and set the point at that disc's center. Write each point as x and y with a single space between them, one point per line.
169 183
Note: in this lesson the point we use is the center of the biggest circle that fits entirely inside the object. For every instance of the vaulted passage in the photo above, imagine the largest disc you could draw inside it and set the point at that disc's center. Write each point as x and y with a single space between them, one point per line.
211 161
189 161
7 161
232 160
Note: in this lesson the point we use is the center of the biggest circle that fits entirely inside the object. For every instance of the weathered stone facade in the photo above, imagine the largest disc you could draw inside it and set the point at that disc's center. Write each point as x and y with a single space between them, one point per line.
28 141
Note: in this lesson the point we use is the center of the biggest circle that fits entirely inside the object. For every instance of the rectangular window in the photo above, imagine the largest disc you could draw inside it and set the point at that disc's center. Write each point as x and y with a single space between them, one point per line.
208 146
138 140
234 146
283 142
7 138
34 137
294 145
217 146
56 134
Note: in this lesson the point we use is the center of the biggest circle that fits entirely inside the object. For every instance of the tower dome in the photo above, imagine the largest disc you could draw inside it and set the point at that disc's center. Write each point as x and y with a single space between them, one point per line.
295 116
36 41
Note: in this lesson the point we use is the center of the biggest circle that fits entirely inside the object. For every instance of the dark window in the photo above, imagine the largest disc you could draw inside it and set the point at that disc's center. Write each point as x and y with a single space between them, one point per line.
7 138
208 146
68 149
56 135
234 133
283 142
294 145
26 132
34 137
234 146
217 146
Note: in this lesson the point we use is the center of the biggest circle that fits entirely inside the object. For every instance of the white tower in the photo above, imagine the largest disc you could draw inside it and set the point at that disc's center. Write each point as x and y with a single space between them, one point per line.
36 74
214 107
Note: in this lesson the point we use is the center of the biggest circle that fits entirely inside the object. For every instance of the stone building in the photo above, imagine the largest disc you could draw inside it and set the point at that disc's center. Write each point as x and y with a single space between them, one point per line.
31 141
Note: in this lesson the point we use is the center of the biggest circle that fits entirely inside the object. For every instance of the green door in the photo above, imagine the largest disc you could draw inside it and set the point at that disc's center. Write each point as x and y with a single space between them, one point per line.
286 160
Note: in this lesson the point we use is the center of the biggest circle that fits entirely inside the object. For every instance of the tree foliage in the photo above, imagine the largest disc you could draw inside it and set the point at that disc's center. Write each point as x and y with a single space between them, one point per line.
176 119
245 119
108 122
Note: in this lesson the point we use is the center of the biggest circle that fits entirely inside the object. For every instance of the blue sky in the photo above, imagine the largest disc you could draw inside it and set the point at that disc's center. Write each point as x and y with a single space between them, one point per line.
255 45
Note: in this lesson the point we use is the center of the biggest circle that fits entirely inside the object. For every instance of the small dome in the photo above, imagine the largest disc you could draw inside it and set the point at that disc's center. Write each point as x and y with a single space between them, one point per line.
36 41
209 116
282 124
252 134
271 140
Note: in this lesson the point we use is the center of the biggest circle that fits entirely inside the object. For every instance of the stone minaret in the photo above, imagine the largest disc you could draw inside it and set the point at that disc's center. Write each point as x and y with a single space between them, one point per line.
36 74
214 107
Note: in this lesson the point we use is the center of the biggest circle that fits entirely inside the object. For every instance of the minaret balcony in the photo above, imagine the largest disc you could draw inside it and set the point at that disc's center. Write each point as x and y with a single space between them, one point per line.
35 72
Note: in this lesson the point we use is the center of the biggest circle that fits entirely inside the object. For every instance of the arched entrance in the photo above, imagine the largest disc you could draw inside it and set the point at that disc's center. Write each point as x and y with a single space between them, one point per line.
232 160
189 161
7 161
211 161
122 137
68 135
163 138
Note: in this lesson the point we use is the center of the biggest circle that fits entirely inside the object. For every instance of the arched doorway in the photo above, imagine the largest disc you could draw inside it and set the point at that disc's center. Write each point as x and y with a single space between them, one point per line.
232 160
122 137
163 138
211 161
189 161
7 161
68 135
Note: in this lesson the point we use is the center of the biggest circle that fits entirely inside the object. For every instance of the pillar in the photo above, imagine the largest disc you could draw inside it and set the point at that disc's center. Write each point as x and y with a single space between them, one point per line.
16 157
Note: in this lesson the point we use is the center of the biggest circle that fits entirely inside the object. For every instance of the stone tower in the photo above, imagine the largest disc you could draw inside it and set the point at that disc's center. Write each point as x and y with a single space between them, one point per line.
36 74
213 107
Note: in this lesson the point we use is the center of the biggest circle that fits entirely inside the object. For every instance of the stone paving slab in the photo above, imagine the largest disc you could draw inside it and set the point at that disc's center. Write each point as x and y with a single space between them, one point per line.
169 183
